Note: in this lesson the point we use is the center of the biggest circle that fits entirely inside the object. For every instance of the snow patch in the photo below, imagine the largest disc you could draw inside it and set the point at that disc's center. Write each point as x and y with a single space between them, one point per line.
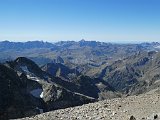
152 58
99 84
41 95
33 78
37 93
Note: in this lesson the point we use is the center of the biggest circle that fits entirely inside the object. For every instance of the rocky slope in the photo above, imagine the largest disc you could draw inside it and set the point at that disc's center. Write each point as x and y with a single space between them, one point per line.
72 80
15 100
51 88
136 74
143 107
60 70
29 90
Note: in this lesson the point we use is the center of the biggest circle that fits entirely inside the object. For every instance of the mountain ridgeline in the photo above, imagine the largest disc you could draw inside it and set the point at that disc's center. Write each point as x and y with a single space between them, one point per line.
66 74
29 90
74 53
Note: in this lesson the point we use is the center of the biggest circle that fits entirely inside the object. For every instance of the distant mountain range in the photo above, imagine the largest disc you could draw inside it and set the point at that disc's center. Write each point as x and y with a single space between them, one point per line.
5 45
82 52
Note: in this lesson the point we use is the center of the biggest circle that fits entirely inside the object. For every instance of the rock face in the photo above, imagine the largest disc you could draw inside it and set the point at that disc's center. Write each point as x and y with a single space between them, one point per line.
74 81
56 97
15 101
143 107
27 90
60 70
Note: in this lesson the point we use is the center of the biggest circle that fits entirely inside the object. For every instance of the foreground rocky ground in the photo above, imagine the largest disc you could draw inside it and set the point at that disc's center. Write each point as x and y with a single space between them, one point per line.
143 107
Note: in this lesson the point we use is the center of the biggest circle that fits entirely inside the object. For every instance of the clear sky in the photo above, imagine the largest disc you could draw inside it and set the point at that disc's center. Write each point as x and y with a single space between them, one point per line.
101 20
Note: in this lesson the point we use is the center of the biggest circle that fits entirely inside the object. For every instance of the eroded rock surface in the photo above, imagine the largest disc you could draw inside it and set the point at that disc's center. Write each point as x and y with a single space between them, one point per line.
143 107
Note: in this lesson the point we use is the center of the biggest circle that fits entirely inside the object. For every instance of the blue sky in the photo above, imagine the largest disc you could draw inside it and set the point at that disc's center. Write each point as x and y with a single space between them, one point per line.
101 20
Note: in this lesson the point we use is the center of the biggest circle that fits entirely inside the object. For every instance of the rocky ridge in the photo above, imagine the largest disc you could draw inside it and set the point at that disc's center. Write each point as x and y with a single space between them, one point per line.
142 107
30 91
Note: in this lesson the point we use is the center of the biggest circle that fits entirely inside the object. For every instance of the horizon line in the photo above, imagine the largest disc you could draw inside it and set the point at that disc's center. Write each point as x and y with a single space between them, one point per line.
101 41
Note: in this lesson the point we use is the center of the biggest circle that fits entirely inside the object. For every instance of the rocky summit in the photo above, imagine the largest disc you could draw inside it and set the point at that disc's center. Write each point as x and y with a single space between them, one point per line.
142 107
